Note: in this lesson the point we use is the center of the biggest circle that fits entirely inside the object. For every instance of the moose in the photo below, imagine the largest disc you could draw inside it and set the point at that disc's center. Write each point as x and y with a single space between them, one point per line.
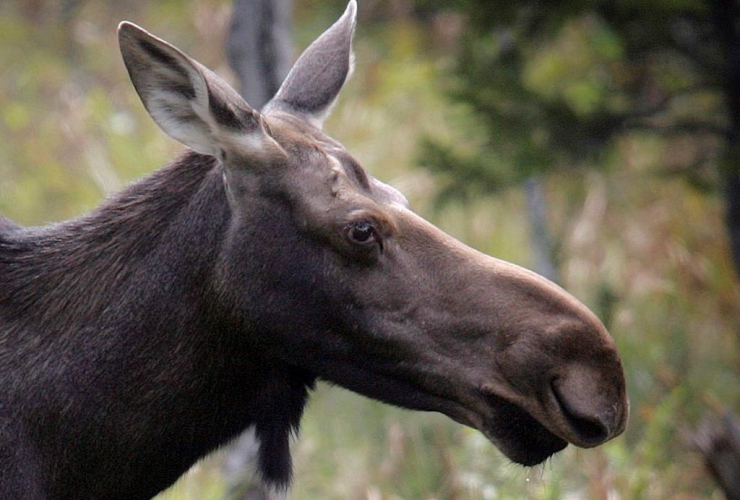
208 298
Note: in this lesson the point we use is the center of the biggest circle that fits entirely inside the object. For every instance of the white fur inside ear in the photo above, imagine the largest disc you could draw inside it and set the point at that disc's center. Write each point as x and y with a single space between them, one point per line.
351 70
191 103
175 117
183 115
171 86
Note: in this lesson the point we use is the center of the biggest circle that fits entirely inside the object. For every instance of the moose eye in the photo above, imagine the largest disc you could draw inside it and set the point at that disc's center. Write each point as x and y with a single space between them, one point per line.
362 233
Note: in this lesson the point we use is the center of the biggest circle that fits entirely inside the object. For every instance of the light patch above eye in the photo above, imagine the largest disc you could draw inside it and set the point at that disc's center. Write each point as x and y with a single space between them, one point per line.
389 194
334 164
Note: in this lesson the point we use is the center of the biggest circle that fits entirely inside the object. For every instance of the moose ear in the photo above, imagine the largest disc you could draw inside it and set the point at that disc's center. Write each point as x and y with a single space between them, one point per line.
312 85
188 101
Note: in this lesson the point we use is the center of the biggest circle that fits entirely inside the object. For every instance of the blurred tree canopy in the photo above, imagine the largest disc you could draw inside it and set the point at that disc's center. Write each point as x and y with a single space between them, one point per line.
555 85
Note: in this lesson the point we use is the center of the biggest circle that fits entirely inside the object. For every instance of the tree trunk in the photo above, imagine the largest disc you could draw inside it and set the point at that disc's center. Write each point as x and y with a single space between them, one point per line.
726 19
731 178
718 441
259 47
543 249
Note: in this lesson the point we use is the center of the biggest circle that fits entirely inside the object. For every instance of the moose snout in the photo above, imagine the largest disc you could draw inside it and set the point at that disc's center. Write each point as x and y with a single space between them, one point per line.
593 409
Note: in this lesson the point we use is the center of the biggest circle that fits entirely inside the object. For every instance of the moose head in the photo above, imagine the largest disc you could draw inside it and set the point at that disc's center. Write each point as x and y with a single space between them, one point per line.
330 270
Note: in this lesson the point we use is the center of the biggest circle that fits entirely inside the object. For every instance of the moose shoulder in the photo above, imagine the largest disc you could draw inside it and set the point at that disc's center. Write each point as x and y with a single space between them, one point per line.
208 297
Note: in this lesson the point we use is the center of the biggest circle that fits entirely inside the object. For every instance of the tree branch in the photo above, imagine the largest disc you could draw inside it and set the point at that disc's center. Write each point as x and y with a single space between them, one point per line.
680 128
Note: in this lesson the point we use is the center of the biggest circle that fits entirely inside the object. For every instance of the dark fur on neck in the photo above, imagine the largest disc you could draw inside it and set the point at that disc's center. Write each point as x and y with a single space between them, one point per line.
111 338
98 250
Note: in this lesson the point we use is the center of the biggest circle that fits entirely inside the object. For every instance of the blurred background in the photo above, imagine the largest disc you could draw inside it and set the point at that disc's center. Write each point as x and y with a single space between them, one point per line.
595 142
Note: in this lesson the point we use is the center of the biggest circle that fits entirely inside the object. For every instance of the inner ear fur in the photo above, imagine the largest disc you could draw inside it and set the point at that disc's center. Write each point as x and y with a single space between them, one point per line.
189 102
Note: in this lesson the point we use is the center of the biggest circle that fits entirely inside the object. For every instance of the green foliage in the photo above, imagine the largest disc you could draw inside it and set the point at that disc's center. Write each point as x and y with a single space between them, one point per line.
556 88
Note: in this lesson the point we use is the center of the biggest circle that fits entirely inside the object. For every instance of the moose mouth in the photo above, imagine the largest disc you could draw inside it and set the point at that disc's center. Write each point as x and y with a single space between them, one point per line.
518 434
513 430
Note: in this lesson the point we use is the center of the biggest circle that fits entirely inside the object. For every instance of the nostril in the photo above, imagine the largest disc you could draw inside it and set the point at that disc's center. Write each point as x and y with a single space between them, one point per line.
590 429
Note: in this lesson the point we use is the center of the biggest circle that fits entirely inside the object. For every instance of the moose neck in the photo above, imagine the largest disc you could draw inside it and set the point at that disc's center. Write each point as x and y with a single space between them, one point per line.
72 272
126 295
